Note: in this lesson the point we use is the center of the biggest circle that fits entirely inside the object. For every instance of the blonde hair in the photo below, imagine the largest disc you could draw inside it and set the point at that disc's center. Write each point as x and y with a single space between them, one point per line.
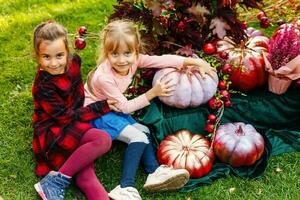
116 32
49 31
112 35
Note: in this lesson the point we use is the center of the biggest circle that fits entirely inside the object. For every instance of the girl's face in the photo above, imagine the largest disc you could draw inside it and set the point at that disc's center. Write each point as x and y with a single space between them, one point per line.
122 59
53 56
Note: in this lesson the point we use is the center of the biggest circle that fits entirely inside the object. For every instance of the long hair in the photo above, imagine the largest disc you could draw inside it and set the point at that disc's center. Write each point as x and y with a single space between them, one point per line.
112 35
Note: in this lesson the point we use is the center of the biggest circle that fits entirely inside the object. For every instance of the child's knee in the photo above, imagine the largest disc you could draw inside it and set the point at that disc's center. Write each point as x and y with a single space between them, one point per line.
104 140
141 137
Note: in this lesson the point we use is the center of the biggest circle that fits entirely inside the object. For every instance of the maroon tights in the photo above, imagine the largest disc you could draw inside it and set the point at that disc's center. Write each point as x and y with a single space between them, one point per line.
93 144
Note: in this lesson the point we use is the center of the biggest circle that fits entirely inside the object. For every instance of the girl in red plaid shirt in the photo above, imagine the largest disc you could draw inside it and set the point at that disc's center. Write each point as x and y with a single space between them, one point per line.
63 139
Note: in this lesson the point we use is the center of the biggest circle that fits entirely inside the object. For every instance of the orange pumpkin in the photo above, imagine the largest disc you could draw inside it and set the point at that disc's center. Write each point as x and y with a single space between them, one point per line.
246 57
183 150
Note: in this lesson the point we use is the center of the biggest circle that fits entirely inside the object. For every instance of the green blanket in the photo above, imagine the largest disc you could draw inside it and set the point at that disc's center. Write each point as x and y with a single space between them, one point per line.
276 117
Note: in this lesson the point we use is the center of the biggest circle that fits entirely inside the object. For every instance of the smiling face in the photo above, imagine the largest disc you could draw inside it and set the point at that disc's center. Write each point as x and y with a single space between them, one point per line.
122 58
53 56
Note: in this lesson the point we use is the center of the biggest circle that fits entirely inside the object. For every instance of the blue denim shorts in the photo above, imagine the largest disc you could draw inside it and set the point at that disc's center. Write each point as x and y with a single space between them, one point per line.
113 123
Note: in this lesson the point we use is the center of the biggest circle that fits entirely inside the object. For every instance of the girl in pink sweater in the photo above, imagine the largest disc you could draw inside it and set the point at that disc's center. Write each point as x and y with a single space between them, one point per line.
121 45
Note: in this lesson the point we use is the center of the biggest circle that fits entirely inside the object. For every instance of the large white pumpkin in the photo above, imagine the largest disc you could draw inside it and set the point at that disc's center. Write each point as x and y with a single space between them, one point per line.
191 89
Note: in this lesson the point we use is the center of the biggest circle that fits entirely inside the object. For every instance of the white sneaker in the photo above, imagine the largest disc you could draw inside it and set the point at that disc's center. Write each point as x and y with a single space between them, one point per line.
166 178
127 193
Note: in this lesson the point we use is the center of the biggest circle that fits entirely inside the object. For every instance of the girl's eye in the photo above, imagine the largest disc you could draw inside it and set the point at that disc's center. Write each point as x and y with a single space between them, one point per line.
45 56
127 53
114 54
60 56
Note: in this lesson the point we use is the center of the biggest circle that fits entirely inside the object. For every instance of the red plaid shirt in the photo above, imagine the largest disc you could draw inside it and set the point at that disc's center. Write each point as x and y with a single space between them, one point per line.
59 118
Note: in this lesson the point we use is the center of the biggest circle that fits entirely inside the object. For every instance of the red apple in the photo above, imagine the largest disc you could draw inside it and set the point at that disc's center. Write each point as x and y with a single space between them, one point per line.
80 43
209 48
82 30
227 68
280 22
265 22
223 55
244 25
260 15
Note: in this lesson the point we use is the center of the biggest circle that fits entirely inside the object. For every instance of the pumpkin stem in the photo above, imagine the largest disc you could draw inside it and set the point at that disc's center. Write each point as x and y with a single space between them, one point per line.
240 131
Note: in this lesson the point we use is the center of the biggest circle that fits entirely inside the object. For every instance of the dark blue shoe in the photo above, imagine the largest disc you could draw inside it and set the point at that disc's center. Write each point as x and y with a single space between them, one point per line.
52 186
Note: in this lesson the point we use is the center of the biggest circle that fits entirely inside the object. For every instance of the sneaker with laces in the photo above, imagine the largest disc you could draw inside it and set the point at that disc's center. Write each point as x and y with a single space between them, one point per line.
52 186
166 178
126 193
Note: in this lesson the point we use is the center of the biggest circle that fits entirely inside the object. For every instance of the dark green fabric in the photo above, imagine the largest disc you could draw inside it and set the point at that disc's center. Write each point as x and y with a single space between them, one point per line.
276 117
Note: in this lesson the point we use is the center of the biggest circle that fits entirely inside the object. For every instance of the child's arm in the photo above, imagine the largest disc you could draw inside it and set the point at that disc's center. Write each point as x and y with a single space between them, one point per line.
204 67
57 108
146 61
108 87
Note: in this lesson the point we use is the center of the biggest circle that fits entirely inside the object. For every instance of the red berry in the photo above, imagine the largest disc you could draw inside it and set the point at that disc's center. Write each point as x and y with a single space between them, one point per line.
260 15
209 128
82 30
223 55
80 43
280 22
225 95
222 85
214 103
265 22
209 48
227 68
212 118
297 83
228 103
244 25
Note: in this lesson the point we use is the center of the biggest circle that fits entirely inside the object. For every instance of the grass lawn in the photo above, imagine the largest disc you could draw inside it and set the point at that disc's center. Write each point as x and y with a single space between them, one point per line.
17 70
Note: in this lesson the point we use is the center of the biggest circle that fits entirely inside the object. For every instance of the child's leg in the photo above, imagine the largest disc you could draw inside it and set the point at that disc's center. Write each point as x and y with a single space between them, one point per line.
162 177
137 142
148 159
93 144
88 182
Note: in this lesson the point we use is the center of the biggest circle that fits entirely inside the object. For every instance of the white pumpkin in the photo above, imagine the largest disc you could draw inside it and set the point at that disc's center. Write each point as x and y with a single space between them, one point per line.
191 89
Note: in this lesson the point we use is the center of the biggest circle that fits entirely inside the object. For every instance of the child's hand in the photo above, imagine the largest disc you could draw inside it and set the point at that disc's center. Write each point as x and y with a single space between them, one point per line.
111 104
203 66
162 87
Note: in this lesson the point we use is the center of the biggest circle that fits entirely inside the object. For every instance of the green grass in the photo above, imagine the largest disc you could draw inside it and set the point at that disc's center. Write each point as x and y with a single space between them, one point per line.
17 69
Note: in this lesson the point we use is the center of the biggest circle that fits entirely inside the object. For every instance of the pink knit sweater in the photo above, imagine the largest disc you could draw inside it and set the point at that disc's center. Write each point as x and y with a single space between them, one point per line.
107 84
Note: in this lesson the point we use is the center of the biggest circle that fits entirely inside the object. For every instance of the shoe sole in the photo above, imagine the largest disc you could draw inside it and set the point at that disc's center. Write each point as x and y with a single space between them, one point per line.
173 183
40 191
112 196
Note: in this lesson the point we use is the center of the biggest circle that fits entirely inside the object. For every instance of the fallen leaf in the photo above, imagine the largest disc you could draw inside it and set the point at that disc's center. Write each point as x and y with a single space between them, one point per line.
278 169
1 198
231 190
188 196
259 192
13 176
